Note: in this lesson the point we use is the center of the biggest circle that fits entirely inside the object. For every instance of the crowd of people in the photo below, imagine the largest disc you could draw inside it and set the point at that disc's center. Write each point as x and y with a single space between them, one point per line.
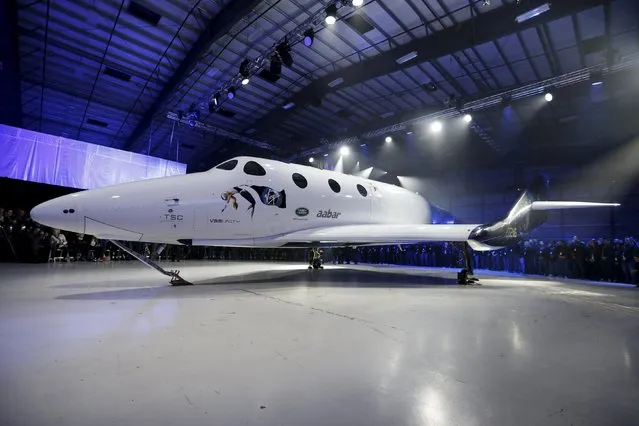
23 240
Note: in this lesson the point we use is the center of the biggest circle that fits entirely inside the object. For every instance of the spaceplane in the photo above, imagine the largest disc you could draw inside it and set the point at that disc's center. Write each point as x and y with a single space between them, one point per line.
256 202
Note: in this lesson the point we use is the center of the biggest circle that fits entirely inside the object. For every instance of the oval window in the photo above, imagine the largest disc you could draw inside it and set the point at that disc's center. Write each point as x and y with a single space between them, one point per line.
362 190
254 169
334 185
300 180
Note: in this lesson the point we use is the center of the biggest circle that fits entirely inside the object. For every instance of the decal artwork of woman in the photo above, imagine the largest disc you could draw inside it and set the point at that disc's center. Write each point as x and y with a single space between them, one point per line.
229 197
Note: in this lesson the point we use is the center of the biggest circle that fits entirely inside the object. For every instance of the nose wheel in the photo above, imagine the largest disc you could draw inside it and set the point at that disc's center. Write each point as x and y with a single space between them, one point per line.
176 279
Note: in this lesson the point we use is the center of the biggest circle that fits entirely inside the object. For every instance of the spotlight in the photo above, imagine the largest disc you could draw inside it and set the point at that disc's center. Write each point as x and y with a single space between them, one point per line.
344 151
284 50
231 93
358 3
245 81
331 14
216 99
468 118
310 160
596 78
244 68
388 139
436 126
309 36
431 87
548 96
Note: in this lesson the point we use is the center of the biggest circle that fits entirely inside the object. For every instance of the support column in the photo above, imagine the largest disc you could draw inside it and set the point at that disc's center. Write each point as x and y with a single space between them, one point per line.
10 93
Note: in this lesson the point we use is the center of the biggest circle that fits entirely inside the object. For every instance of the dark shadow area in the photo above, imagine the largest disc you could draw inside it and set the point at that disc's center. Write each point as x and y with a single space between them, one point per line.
276 279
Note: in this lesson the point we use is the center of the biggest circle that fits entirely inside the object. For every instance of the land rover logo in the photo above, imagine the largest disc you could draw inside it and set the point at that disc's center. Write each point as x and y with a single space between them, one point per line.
301 211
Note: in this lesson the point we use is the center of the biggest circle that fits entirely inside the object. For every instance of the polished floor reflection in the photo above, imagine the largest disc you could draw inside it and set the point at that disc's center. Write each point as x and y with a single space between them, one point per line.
274 344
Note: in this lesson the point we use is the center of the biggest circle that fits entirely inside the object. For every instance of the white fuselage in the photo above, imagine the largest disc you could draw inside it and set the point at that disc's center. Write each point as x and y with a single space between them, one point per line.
232 207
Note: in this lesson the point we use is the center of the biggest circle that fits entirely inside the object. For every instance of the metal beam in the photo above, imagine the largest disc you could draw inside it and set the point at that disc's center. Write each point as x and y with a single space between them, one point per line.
217 27
11 105
486 27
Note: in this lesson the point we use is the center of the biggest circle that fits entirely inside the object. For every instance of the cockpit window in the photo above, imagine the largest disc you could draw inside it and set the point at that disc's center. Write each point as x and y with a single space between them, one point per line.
229 165
254 169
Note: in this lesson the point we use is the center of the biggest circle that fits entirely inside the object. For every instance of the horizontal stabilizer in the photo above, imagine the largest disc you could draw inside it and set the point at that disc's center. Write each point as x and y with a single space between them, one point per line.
556 205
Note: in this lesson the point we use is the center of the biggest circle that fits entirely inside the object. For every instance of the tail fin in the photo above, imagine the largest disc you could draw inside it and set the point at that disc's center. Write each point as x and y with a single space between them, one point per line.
528 213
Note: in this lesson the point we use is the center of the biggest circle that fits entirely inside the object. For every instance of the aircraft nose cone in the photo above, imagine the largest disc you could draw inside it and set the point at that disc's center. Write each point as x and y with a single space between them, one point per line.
59 213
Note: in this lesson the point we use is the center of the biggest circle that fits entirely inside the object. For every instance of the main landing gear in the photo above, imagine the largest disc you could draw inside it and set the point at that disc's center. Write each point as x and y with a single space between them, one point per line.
176 279
316 259
465 276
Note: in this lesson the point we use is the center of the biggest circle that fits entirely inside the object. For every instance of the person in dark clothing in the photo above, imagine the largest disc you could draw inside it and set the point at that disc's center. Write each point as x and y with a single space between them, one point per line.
628 259
607 259
578 258
562 256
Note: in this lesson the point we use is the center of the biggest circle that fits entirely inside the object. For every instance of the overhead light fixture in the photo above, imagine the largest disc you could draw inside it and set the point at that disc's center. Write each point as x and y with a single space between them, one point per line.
336 82
409 132
231 93
309 36
407 57
310 160
284 51
430 87
325 155
245 81
436 126
358 3
468 118
216 99
388 139
533 13
548 95
596 78
289 105
344 151
244 68
331 14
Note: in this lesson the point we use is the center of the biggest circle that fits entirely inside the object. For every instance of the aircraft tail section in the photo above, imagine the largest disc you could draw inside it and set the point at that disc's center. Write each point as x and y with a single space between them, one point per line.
529 212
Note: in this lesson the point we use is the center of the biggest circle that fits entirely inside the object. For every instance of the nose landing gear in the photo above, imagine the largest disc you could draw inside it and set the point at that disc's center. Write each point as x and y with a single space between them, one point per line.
176 279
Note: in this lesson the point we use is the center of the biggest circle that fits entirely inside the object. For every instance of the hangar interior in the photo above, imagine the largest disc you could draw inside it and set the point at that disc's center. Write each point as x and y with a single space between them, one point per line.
462 101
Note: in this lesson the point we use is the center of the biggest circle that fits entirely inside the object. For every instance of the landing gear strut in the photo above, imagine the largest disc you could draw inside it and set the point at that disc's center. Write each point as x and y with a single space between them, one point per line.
465 276
316 259
176 279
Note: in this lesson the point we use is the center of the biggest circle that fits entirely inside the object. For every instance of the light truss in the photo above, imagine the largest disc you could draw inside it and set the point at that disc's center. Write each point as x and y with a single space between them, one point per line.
522 92
216 130
255 65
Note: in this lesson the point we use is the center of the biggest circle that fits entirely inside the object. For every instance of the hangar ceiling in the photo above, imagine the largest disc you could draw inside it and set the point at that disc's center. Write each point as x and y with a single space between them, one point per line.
110 72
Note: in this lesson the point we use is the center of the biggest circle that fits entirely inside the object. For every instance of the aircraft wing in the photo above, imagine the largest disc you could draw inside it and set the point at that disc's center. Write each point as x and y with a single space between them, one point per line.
381 233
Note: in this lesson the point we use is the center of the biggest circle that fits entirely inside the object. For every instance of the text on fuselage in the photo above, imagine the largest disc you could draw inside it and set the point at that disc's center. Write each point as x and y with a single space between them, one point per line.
328 214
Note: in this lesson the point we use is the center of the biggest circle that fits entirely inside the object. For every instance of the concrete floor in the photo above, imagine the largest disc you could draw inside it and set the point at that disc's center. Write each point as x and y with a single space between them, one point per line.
274 344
